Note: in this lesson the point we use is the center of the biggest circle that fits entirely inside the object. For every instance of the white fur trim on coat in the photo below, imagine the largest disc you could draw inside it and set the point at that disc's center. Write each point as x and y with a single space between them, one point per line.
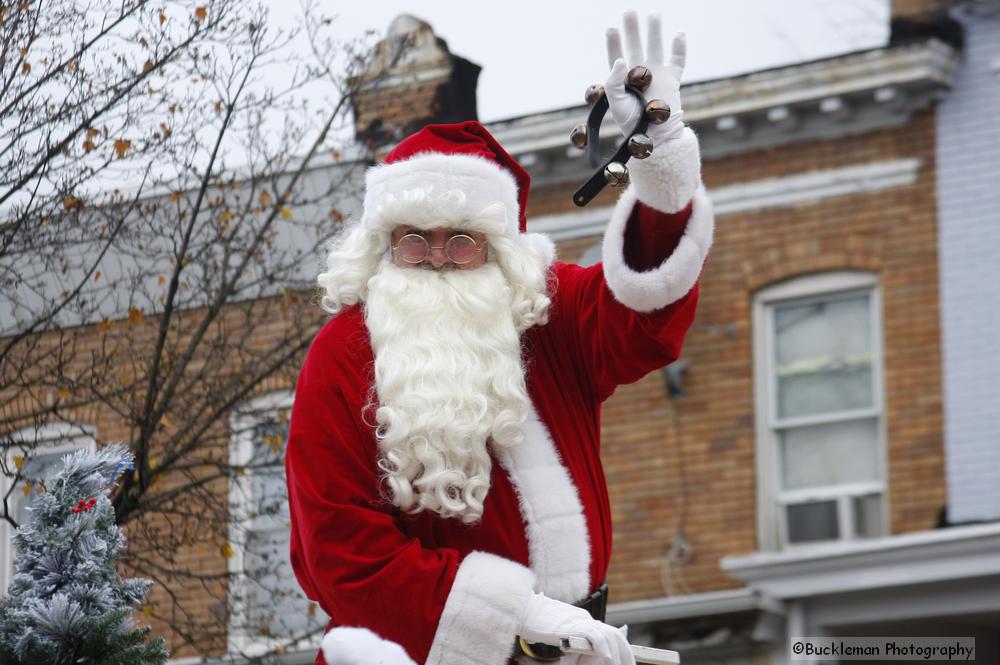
558 540
667 179
360 646
671 280
483 612
434 190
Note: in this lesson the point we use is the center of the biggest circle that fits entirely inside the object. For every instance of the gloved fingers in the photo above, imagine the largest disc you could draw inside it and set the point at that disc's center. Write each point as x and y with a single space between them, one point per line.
633 43
678 55
655 32
604 649
619 639
615 85
614 46
624 107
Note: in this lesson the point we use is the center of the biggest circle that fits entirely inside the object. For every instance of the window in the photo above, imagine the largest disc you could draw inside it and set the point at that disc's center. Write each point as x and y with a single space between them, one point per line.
820 422
32 455
269 608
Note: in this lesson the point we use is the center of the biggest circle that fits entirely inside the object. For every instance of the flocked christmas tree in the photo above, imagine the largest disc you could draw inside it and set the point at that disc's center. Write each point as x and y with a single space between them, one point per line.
66 604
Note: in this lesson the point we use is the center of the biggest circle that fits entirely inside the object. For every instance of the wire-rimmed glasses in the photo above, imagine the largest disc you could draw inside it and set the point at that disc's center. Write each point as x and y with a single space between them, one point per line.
414 248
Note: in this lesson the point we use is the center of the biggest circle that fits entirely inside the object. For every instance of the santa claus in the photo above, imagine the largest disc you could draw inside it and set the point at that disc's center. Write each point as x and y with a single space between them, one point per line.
443 463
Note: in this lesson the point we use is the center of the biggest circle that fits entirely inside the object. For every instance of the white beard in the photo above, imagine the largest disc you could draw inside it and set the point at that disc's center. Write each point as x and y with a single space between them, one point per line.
448 377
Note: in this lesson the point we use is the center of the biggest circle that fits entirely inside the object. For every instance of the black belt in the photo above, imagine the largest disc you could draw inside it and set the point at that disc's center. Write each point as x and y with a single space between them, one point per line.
596 604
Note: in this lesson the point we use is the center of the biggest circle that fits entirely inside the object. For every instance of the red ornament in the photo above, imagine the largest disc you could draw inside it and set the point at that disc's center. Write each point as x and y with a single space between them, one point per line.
83 506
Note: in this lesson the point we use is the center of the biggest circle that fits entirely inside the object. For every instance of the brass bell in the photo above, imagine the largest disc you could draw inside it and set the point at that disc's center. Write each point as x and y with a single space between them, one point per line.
593 93
657 111
639 77
641 146
616 174
578 137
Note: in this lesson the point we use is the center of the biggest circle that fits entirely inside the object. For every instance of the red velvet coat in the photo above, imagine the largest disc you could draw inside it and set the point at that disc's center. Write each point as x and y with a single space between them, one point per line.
451 592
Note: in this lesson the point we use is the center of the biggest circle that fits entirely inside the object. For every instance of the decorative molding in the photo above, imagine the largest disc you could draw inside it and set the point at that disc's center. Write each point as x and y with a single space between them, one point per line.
814 186
687 606
768 193
901 560
827 98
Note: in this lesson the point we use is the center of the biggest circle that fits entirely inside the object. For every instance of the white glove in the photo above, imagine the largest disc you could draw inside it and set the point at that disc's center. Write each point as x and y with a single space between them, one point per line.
666 83
546 619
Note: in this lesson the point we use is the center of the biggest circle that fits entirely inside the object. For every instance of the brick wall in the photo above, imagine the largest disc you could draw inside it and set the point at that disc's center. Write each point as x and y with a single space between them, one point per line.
176 543
917 7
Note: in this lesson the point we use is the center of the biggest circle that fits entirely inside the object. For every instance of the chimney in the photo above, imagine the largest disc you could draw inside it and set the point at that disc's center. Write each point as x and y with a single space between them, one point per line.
413 80
915 9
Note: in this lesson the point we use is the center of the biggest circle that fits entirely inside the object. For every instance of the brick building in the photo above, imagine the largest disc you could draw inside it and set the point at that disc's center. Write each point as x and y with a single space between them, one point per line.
824 458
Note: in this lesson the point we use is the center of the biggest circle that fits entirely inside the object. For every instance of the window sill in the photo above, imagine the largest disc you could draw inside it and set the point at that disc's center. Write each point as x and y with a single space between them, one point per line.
898 560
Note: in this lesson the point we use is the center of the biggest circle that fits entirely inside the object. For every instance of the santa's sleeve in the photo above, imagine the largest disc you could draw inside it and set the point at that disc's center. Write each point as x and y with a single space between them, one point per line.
349 554
631 313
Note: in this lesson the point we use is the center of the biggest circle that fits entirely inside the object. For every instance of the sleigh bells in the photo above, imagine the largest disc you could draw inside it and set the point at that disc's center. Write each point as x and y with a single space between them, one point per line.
636 143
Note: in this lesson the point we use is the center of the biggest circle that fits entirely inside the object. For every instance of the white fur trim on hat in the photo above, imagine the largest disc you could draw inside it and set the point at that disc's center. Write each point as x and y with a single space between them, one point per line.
667 179
558 540
432 190
542 244
655 289
360 646
483 613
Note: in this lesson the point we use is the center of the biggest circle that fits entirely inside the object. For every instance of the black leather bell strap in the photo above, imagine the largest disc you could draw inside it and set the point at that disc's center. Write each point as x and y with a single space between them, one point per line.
598 181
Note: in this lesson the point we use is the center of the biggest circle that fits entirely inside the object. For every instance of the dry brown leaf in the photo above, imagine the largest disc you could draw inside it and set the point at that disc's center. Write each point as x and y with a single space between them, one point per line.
122 146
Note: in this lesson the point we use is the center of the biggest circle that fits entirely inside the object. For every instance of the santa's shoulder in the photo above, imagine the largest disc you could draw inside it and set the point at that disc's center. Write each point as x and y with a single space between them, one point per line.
342 340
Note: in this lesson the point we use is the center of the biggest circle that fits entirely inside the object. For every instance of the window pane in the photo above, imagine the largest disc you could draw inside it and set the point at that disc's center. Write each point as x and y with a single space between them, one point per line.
268 493
830 454
867 515
275 603
812 521
823 356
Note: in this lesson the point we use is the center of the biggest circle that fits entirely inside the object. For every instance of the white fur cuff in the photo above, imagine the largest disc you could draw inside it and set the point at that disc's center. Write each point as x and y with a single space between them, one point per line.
483 612
667 179
360 646
671 280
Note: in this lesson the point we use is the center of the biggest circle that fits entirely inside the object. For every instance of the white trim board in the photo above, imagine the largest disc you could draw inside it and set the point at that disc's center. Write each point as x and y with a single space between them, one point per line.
790 190
913 558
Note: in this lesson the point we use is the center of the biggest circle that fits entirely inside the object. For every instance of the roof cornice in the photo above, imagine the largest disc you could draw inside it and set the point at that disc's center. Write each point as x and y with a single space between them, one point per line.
822 99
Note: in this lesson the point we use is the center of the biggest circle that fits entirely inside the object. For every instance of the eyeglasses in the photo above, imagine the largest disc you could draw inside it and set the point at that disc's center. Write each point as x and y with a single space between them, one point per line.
414 248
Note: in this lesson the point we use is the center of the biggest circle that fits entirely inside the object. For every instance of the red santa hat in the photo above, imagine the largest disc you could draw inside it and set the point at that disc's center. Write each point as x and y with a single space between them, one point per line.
455 176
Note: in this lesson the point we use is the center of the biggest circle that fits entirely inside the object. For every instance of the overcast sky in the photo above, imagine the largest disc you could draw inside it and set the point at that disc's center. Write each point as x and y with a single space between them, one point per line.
539 55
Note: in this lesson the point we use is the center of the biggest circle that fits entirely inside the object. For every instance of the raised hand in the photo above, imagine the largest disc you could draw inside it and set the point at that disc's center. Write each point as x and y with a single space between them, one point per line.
666 76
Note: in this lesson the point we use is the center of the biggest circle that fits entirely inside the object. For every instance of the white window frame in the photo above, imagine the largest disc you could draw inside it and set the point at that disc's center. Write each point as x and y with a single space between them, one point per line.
242 421
771 516
48 439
